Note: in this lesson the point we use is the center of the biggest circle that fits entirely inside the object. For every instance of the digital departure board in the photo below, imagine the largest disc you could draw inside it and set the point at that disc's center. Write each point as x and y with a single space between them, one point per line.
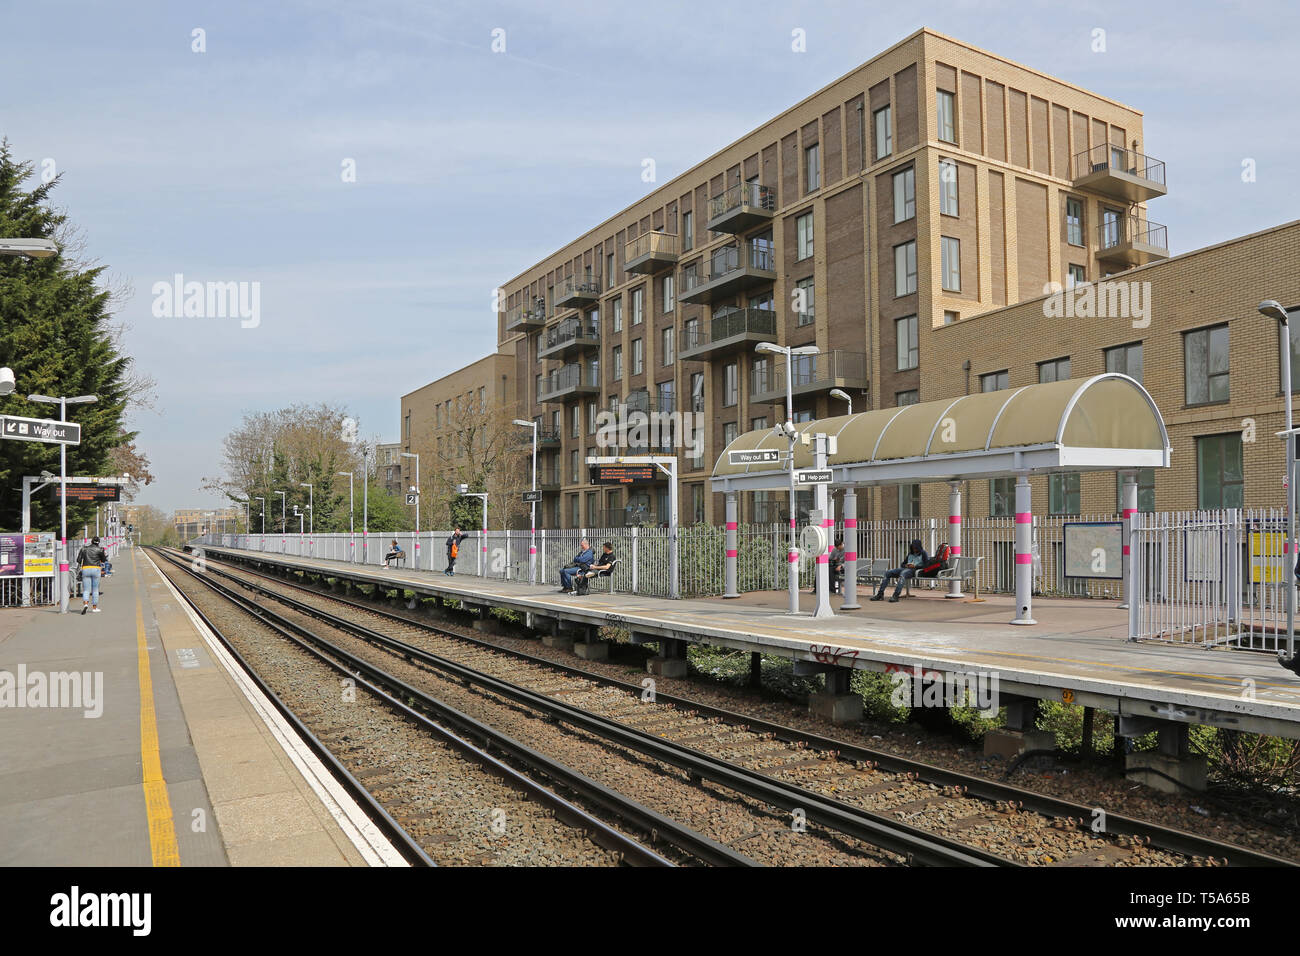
623 474
90 492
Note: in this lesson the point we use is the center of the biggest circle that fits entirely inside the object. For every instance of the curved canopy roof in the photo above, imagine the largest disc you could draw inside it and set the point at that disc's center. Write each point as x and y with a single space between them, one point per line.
1106 422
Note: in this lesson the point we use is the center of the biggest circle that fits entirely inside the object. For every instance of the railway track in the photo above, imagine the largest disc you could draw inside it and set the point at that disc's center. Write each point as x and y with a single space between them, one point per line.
952 802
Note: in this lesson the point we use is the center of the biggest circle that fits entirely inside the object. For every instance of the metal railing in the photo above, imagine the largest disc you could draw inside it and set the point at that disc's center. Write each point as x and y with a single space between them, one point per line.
729 322
650 242
574 329
570 376
742 194
1105 156
525 313
810 370
584 286
1114 232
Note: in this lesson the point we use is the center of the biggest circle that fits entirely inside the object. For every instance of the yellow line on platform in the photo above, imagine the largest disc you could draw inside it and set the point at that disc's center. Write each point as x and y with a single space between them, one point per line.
158 806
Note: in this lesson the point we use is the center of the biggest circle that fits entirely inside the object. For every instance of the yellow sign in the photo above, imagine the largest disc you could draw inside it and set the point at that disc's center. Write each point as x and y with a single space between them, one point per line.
1266 560
1067 695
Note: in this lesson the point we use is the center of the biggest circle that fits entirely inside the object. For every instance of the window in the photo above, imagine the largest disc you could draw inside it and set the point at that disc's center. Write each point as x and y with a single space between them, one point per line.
807 315
575 423
537 387
697 503
904 195
993 381
697 391
1205 365
1075 275
609 271
803 416
905 268
908 353
616 314
950 250
591 418
943 108
1002 497
638 356
804 234
408 424
573 476
1057 370
910 397
638 305
950 318
811 167
760 380
730 385
728 433
947 187
665 396
1074 222
909 501
617 373
669 354
1146 490
1063 493
593 516
1126 359
669 293
884 132
1218 471
688 231
758 424
482 398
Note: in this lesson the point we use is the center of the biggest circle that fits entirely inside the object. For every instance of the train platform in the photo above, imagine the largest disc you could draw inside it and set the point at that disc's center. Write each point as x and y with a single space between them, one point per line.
1078 652
132 738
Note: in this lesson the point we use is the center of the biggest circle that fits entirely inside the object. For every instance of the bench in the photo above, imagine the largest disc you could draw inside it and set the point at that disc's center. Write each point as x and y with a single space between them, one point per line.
587 576
398 559
963 569
875 572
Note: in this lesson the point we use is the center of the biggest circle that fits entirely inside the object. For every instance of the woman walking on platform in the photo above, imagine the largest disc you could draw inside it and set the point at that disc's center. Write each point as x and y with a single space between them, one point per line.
90 560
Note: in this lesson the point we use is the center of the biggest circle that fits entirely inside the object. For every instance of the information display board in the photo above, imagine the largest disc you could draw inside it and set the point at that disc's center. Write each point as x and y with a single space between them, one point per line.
11 555
89 492
38 555
629 474
1094 549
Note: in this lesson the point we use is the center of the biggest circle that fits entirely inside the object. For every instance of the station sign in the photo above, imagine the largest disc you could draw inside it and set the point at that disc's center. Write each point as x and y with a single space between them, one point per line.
623 474
814 476
412 499
96 492
755 457
40 429
532 496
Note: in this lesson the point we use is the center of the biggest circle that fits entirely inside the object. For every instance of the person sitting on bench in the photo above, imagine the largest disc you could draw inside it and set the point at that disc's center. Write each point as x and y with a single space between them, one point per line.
605 565
916 559
394 551
581 562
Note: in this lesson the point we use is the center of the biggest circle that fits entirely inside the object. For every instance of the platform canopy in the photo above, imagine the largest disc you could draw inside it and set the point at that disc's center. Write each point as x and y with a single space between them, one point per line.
1104 423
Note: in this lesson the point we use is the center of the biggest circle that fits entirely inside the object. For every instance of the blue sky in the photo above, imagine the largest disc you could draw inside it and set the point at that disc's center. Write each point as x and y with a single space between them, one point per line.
472 165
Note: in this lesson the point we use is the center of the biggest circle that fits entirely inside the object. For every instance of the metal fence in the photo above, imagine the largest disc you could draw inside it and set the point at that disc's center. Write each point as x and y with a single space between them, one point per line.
1211 577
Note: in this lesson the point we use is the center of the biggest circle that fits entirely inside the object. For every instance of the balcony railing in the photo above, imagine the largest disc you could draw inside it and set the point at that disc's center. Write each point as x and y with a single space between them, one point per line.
1132 241
1119 172
523 318
729 328
571 335
546 438
741 206
650 252
549 477
729 270
576 291
825 370
570 380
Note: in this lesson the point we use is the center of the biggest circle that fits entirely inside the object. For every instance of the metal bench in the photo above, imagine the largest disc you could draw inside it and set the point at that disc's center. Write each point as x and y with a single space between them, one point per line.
963 569
398 559
589 576
875 572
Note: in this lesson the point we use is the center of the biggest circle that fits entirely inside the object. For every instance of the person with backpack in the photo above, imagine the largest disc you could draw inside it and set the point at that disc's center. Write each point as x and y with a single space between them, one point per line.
90 561
915 560
453 550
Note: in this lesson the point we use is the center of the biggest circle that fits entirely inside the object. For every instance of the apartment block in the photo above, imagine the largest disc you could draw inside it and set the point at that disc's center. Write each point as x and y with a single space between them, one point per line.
933 183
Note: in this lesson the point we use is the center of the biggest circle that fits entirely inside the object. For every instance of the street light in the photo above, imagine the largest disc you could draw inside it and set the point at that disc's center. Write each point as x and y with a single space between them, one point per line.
351 533
789 431
1272 309
31 248
250 530
532 514
63 402
7 381
416 489
283 516
843 396
311 500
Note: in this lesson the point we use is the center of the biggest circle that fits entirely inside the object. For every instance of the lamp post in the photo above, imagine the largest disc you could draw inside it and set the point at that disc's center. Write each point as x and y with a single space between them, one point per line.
532 513
63 402
843 396
352 544
788 430
365 504
416 489
311 502
250 530
1273 310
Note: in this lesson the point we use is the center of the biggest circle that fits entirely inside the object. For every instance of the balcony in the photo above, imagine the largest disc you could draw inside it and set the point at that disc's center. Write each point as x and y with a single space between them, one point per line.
729 329
728 271
812 373
741 207
526 318
1130 241
574 292
548 477
548 438
650 253
1120 173
570 382
571 336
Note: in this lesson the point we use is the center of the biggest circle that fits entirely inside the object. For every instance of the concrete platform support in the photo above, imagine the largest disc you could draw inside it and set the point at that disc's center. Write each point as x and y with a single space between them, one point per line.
670 661
836 703
1171 767
1019 736
592 649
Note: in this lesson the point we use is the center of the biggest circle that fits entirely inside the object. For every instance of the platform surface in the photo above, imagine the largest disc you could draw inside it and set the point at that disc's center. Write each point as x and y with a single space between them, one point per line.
1078 650
161 759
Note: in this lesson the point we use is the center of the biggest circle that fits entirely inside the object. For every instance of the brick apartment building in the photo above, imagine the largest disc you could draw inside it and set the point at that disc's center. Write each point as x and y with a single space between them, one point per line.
872 219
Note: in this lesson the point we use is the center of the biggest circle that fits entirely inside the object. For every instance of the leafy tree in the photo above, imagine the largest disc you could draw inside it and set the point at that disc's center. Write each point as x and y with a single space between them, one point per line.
57 334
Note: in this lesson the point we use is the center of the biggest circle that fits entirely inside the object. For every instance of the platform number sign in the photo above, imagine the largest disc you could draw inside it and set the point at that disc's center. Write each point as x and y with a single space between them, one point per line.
412 499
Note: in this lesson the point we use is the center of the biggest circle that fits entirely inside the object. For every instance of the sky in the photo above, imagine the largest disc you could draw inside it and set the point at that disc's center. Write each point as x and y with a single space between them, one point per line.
232 164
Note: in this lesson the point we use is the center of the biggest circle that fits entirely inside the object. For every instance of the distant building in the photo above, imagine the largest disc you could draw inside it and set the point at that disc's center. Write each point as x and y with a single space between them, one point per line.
192 522
388 464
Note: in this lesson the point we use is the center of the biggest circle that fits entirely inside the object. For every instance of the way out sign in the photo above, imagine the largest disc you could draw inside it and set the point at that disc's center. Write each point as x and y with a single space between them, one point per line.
40 429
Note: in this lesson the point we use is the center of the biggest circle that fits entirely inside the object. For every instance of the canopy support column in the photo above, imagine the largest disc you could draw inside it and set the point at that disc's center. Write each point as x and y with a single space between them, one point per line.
850 551
1130 509
1024 553
732 550
954 534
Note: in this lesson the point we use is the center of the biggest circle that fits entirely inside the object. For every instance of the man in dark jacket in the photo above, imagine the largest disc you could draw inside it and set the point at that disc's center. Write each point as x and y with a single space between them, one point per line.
91 560
453 550
581 562
916 559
